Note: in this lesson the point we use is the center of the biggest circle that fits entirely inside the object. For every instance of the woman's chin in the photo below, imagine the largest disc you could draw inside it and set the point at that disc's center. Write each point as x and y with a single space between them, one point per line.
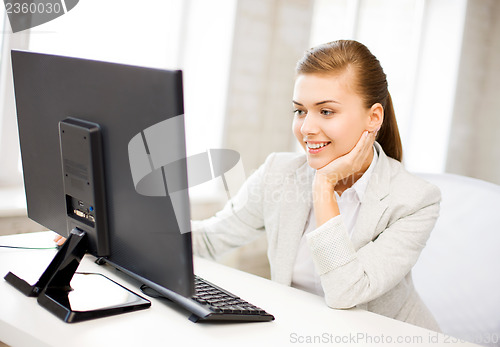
316 163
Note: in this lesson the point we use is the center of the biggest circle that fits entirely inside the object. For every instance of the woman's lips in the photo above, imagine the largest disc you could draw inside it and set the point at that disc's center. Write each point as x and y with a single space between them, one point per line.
316 150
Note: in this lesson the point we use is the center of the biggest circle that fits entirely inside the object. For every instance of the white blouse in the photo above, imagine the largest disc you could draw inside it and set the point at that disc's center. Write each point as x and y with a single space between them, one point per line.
305 276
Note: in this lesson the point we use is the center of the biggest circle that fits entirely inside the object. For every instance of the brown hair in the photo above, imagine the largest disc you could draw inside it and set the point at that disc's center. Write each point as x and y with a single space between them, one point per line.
370 82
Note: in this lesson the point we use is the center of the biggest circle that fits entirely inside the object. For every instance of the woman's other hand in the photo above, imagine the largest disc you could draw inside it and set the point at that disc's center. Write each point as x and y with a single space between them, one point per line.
59 240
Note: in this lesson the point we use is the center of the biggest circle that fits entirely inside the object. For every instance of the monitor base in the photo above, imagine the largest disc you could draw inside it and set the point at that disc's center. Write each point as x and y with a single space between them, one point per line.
79 297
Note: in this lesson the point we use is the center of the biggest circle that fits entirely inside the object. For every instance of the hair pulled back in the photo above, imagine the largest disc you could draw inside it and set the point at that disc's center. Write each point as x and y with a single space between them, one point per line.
370 82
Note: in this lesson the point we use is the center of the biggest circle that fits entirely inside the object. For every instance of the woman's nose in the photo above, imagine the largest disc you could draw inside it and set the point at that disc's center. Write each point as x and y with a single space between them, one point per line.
309 126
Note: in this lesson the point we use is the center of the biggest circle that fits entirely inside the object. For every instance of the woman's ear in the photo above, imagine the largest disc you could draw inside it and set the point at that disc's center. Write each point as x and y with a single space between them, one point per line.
375 117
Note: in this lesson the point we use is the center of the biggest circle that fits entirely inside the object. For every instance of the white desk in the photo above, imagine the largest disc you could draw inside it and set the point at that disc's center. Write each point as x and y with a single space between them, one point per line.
300 316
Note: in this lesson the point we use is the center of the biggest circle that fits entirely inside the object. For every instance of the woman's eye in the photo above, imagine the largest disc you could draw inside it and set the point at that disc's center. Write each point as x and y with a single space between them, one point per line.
327 112
299 113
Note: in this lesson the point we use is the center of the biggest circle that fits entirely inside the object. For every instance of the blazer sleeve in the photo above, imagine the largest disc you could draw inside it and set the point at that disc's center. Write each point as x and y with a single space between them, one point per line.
238 223
351 277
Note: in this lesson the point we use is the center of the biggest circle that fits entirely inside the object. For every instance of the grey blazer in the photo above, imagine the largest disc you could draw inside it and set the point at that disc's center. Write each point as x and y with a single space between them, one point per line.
371 270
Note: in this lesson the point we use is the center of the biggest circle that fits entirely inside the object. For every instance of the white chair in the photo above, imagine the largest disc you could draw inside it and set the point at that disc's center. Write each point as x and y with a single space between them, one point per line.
458 272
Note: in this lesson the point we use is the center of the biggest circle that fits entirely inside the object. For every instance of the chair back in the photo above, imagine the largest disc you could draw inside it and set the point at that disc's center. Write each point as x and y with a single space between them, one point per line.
458 272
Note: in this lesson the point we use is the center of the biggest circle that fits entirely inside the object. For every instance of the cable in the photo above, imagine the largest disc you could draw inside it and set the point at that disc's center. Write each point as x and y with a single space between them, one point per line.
16 247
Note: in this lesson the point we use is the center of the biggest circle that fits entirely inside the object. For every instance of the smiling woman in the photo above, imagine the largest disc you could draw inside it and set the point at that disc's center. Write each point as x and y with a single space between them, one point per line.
328 127
345 220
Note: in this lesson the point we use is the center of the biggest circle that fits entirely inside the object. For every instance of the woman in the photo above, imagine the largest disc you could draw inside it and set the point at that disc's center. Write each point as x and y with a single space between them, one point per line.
345 220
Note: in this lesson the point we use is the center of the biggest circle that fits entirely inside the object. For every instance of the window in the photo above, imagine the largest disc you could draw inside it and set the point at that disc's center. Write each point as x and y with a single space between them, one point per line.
191 35
418 43
10 174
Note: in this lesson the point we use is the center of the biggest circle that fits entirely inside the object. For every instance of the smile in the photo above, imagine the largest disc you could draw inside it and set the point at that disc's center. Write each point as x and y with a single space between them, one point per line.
317 147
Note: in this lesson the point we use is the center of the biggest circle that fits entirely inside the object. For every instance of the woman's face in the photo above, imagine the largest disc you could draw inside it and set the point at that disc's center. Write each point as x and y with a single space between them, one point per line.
329 117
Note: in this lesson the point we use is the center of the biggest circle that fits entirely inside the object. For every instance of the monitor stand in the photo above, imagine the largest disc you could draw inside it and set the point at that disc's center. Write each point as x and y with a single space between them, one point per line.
74 296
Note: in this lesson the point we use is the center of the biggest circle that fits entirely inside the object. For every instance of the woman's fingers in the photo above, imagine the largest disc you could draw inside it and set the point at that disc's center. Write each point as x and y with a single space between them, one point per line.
362 150
351 162
59 240
364 143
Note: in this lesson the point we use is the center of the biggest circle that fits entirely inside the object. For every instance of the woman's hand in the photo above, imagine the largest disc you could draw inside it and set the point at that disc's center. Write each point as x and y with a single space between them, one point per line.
349 164
328 177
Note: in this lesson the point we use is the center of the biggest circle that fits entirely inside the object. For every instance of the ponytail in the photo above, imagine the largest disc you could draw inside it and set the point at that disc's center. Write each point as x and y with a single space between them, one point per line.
388 135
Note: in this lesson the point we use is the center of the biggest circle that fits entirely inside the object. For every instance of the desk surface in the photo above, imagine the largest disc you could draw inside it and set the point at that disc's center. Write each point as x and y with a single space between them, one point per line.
301 318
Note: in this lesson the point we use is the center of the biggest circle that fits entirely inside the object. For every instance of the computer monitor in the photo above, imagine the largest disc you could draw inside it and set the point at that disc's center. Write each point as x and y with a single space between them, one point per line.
95 138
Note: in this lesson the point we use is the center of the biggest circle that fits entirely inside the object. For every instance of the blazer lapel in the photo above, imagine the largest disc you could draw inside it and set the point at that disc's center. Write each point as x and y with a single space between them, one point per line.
373 204
294 212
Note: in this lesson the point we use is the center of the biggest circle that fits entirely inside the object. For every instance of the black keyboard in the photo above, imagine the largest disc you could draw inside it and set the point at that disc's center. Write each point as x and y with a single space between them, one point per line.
223 305
212 303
